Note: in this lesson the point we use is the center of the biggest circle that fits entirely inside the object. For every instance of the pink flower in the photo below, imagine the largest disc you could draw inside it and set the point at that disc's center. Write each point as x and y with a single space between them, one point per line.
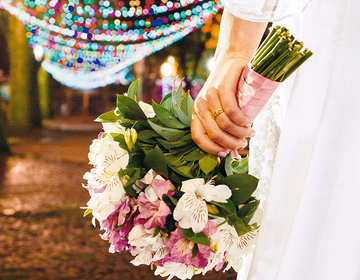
180 248
153 210
117 226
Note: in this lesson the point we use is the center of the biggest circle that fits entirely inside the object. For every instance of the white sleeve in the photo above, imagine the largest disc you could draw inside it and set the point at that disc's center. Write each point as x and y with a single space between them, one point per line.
264 10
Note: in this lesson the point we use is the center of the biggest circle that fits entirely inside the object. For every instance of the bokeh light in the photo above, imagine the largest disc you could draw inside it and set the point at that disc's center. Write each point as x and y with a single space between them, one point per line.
87 39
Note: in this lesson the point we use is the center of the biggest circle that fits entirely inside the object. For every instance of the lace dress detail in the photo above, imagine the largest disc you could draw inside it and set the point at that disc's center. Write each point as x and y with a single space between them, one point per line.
263 146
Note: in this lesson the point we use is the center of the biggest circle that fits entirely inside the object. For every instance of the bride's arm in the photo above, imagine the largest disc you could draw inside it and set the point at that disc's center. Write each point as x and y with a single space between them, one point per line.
238 41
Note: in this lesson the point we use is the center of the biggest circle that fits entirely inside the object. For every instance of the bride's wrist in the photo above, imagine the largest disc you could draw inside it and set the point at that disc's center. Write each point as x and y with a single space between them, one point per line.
223 56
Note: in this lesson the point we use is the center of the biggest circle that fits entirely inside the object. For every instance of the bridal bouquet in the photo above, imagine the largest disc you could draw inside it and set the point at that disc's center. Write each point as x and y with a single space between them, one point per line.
275 60
160 197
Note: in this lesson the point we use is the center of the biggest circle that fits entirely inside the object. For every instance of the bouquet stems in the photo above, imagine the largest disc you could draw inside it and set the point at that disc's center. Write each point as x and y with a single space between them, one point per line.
279 55
276 59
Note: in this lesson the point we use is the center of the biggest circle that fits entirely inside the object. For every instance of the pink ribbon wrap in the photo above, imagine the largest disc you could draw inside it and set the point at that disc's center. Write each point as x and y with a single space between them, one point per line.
254 92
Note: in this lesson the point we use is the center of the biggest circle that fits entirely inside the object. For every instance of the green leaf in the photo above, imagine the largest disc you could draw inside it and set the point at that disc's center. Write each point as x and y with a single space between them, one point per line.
240 227
129 184
186 103
182 170
198 238
176 179
172 160
145 148
185 141
87 212
170 134
121 140
227 166
108 117
241 185
176 94
136 160
148 136
240 166
156 231
176 100
196 154
166 117
132 91
226 209
166 102
184 118
129 108
141 125
208 163
248 210
195 251
155 160
170 201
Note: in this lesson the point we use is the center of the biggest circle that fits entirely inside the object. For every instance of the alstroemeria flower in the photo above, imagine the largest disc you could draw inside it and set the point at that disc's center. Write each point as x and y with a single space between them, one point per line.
117 226
114 127
108 158
101 206
107 153
191 210
181 248
179 270
231 245
153 210
145 246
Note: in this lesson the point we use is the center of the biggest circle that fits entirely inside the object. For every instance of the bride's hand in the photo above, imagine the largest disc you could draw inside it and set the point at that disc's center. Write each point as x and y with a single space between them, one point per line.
218 124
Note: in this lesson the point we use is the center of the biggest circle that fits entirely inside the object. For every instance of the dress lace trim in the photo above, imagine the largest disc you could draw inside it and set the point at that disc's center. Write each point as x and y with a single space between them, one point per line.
263 146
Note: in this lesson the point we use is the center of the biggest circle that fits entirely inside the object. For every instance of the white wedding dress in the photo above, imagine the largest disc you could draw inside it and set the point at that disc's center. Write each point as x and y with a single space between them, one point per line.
306 151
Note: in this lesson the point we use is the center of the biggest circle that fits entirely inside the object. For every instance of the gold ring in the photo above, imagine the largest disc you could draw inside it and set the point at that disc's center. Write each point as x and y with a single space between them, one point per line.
218 112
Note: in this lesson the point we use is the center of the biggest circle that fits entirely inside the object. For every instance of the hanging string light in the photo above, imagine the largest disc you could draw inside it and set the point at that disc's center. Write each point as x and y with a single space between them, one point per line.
91 40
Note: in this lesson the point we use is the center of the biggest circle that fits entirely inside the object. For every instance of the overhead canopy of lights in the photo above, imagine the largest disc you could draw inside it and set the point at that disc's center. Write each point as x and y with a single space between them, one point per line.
89 43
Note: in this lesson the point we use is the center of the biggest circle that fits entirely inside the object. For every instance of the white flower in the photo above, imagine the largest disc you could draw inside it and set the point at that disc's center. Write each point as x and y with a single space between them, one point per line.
146 248
147 109
139 236
191 210
115 127
108 158
107 153
214 259
101 206
100 177
179 270
233 246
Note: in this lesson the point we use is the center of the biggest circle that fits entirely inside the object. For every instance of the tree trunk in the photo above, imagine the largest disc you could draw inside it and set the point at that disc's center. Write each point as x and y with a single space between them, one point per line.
19 78
43 85
4 145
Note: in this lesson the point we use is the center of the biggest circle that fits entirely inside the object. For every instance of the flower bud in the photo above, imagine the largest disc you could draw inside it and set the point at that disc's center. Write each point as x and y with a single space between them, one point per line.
130 138
212 209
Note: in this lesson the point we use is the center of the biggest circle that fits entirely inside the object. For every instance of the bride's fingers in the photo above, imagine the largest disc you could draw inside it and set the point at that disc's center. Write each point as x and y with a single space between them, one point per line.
229 101
212 103
213 132
200 138
226 124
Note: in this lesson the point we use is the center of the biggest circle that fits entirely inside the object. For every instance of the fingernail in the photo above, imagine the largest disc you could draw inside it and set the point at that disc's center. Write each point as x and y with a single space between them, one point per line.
222 154
244 144
252 134
248 125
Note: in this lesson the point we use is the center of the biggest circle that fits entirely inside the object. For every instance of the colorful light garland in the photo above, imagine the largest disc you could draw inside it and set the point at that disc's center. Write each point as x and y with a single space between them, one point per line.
97 41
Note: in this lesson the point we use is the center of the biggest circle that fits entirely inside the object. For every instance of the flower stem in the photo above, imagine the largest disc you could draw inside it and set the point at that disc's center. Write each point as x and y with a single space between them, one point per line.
279 55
